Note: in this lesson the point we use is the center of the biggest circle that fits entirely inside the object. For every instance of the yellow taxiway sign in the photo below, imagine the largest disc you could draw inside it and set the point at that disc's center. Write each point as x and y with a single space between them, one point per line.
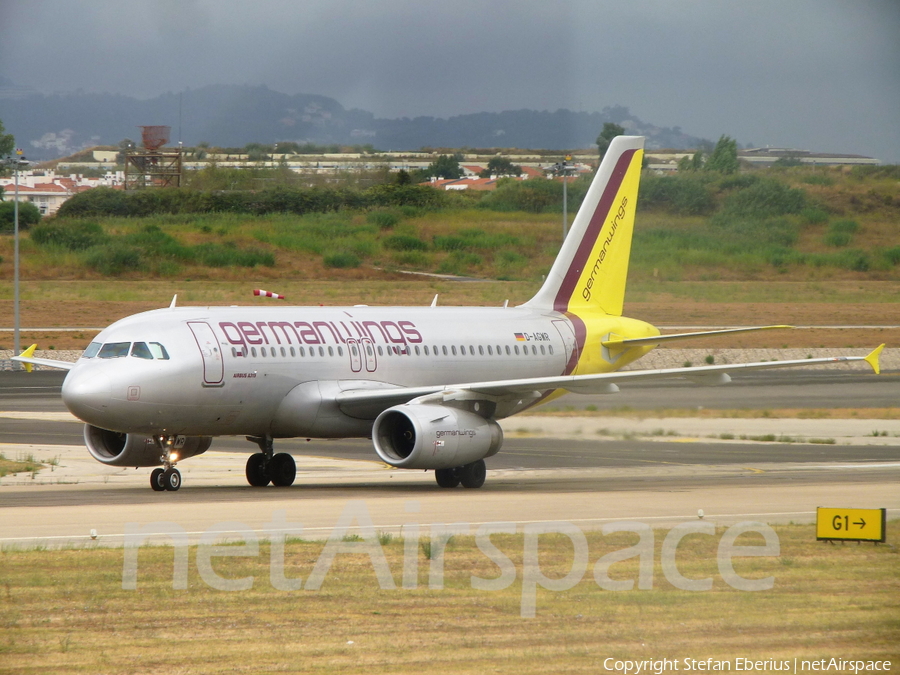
850 524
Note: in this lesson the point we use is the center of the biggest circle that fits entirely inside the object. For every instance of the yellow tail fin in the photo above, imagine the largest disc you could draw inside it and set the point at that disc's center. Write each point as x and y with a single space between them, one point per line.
589 272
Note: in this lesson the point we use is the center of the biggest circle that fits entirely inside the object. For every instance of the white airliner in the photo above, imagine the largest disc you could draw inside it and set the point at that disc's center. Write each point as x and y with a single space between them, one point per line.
426 384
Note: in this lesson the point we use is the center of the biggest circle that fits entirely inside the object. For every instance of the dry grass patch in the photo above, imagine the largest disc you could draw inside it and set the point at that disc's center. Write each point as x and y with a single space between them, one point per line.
66 612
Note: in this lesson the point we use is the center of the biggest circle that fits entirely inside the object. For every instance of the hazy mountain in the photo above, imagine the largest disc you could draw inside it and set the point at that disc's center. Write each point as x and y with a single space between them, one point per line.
50 126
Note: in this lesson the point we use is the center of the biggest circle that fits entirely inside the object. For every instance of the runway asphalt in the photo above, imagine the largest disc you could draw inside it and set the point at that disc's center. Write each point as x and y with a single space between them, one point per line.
565 469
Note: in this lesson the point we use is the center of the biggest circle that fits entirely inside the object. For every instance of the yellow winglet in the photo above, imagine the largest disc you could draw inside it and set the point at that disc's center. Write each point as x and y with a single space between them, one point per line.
29 353
872 359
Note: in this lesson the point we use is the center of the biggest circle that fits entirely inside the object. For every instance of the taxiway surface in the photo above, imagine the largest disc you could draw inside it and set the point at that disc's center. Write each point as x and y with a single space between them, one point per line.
568 469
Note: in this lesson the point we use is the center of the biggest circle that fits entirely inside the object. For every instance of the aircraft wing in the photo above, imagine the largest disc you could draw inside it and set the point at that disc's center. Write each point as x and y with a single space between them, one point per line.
360 400
27 357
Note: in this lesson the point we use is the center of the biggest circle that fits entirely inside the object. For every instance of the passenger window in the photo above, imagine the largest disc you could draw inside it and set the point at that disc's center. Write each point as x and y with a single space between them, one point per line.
262 351
91 350
426 350
321 351
516 347
550 348
453 349
141 351
283 353
534 350
418 353
481 350
490 351
253 351
543 351
445 350
331 351
293 353
380 351
302 351
114 350
507 350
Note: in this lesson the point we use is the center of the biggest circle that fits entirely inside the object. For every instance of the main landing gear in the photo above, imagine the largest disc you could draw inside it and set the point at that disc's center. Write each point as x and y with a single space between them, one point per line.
268 467
470 475
167 478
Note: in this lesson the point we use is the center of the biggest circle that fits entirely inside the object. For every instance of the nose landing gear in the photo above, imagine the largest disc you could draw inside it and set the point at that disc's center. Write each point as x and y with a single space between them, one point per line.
268 467
167 478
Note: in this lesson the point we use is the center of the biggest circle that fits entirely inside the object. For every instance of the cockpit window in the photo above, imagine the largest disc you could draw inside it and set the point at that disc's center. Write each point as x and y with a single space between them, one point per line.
114 350
158 351
92 350
141 351
152 350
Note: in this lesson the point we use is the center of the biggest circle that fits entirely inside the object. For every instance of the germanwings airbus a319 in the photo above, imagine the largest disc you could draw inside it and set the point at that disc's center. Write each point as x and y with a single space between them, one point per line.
426 384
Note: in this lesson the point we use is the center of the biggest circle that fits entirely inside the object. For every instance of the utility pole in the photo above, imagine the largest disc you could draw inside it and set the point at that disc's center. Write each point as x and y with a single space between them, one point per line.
16 162
563 168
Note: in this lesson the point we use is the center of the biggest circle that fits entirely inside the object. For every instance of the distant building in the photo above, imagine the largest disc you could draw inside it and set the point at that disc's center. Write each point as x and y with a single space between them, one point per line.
768 156
48 192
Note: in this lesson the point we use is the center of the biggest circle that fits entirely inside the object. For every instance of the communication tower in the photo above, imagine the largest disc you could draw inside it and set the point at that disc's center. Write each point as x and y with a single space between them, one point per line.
153 165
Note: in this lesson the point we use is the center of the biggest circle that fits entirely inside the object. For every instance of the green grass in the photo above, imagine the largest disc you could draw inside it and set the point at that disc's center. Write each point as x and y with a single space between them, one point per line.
797 223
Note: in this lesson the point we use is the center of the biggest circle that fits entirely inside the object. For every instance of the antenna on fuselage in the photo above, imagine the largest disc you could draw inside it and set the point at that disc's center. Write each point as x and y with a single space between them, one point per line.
434 302
172 304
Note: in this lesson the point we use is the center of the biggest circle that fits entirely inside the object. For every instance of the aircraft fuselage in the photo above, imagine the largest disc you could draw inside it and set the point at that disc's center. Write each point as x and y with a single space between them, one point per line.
232 370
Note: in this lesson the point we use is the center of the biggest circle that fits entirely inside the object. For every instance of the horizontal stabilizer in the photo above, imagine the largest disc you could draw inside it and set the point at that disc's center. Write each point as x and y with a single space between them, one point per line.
658 339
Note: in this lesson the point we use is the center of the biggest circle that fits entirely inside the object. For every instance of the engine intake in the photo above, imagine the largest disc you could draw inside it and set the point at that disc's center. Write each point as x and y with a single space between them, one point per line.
118 449
433 437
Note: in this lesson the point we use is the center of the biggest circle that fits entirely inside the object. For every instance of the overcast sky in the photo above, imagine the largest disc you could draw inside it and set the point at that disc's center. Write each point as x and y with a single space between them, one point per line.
812 74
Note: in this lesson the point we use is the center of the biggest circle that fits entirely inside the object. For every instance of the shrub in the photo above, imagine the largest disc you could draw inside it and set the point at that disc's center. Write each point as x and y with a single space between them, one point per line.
154 242
101 201
813 215
837 239
840 233
818 179
404 242
892 255
687 195
74 235
459 262
385 220
414 258
848 226
114 259
341 260
219 255
768 197
449 243
28 215
533 196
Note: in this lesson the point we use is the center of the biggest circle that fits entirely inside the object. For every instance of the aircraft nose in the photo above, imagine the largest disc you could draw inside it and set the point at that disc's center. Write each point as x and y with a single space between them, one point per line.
86 393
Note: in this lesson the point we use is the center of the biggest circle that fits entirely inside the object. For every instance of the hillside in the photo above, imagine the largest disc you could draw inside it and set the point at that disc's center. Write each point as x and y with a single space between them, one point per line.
796 224
52 126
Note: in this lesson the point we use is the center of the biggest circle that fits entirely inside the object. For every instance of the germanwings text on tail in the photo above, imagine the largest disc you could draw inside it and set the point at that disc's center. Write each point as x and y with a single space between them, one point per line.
426 384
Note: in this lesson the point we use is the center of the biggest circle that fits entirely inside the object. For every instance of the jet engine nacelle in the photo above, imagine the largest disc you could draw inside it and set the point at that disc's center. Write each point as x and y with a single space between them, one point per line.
433 437
117 449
